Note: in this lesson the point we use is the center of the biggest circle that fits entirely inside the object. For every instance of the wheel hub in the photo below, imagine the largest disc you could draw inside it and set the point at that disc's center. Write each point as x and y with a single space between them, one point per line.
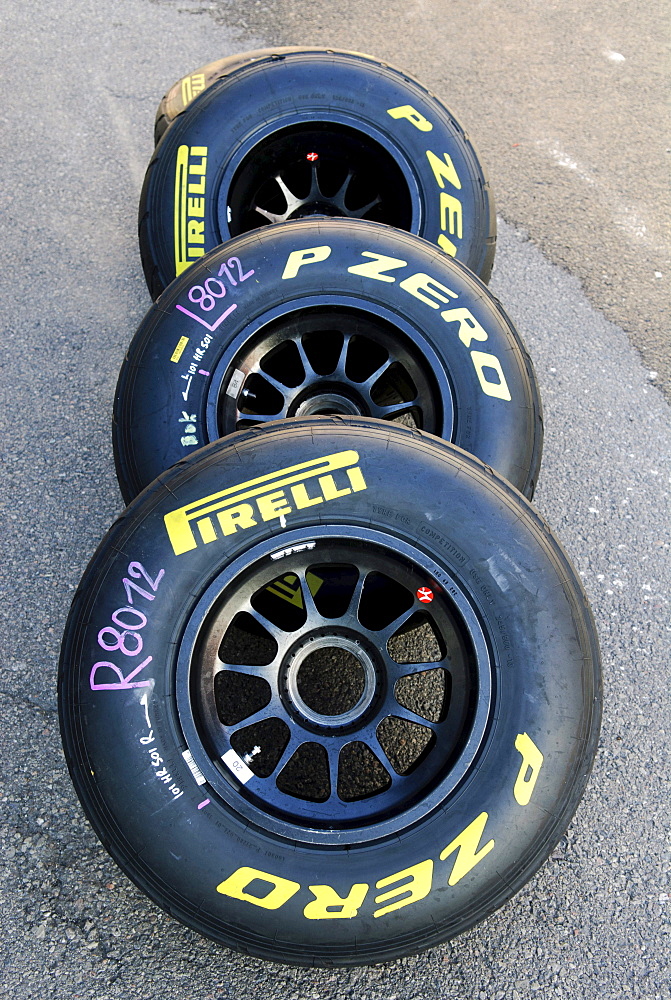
330 682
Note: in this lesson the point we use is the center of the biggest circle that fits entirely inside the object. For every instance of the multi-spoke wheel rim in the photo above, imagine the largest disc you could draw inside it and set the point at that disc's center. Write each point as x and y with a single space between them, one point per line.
330 359
317 168
331 724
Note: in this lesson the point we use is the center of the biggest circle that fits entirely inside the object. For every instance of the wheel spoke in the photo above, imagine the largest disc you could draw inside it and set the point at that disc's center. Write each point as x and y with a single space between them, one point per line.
285 391
397 670
292 201
269 711
315 191
307 367
278 634
297 738
342 358
386 633
258 418
341 193
372 379
389 412
360 212
252 670
401 712
271 216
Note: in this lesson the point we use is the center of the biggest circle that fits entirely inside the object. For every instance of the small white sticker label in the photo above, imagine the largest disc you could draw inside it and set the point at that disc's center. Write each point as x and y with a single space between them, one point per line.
193 767
235 383
237 765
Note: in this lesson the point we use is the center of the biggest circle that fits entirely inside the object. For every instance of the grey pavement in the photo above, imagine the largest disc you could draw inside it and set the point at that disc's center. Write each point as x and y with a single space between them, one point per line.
81 86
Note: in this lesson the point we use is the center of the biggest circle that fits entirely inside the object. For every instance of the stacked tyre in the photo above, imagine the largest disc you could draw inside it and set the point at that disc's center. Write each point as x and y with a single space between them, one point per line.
330 687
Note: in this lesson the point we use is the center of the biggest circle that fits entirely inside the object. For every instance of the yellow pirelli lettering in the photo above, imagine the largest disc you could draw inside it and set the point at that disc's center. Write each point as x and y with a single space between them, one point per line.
179 349
416 885
532 761
328 905
277 889
466 844
179 523
192 86
190 180
181 174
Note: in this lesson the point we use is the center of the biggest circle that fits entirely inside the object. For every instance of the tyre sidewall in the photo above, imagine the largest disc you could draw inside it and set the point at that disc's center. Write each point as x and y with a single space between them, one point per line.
267 95
544 667
174 365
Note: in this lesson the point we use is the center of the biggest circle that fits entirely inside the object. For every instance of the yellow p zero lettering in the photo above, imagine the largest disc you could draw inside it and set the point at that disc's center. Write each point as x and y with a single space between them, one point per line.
467 845
419 284
328 905
237 884
447 245
407 111
297 258
482 362
450 214
178 523
419 886
469 328
443 171
379 264
532 761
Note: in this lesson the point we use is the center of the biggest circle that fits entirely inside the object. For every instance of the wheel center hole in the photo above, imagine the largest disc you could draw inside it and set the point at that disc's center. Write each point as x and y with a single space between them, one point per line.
330 681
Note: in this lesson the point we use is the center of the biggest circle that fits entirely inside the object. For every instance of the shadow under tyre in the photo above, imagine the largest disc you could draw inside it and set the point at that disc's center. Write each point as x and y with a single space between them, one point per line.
305 133
330 691
326 316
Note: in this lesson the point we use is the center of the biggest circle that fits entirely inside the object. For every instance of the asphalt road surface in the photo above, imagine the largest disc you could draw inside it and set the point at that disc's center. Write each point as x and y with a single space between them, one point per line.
572 139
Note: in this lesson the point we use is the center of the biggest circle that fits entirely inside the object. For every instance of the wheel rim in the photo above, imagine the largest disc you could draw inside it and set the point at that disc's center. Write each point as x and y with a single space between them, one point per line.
330 359
343 734
320 168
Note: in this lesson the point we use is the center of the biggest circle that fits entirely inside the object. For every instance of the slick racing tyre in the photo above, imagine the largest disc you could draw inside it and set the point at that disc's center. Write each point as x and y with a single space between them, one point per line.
306 133
328 316
182 93
329 692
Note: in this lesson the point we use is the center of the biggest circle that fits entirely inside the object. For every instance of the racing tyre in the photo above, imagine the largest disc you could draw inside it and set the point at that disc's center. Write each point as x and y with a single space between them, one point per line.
326 316
312 132
329 692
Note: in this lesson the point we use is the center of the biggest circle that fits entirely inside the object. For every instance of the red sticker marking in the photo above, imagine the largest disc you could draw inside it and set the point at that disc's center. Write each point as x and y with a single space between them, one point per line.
425 595
313 156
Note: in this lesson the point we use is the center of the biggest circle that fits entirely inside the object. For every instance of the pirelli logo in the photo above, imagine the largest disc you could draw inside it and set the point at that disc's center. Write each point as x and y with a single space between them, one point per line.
264 499
192 86
189 220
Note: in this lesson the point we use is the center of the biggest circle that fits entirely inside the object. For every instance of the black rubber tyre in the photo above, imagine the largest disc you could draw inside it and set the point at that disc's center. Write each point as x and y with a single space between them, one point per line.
305 133
328 316
330 691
